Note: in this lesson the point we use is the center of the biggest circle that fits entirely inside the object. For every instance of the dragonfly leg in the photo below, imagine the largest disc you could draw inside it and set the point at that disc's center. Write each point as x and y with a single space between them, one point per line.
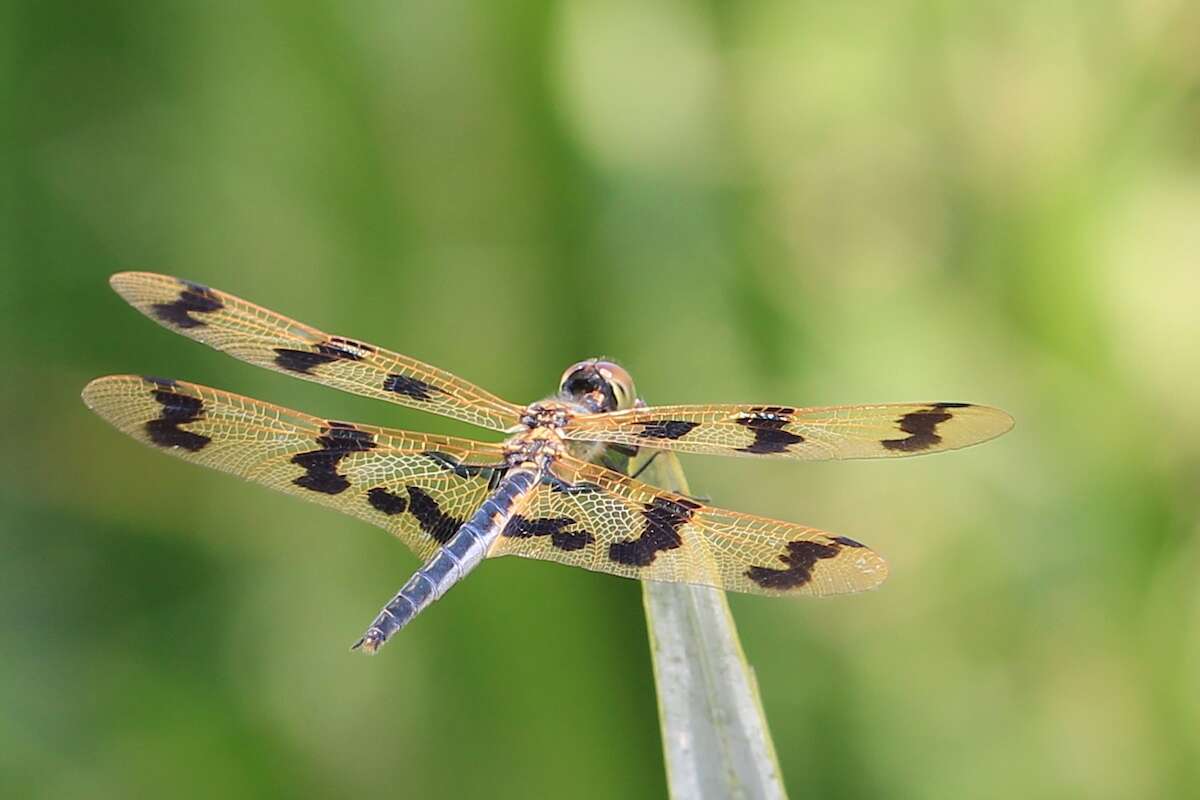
649 461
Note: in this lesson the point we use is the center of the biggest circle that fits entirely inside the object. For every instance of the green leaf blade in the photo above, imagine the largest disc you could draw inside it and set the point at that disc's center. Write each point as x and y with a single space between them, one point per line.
716 742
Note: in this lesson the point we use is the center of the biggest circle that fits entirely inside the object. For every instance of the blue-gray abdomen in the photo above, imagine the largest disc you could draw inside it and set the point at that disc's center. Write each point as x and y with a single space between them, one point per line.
454 560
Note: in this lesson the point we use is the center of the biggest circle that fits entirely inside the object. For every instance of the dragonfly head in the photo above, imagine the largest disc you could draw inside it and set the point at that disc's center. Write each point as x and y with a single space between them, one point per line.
598 385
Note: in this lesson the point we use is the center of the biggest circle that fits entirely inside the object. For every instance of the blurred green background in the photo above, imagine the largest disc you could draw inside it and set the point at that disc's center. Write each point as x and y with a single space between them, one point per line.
783 202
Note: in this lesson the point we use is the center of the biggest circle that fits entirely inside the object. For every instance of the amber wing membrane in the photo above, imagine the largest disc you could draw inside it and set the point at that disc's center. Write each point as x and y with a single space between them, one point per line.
267 339
590 517
419 487
809 434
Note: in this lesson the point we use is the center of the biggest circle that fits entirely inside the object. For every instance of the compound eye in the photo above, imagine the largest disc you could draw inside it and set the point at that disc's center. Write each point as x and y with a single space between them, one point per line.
621 382
569 377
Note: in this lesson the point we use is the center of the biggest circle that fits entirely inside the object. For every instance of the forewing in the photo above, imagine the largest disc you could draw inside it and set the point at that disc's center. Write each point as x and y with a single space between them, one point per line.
419 487
597 519
266 339
809 434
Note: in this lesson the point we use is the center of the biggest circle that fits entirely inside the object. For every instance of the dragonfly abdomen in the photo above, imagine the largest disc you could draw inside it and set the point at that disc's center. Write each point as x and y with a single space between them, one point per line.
461 554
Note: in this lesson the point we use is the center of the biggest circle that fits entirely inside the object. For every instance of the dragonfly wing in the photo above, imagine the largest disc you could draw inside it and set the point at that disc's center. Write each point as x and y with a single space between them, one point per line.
809 434
419 487
590 517
267 339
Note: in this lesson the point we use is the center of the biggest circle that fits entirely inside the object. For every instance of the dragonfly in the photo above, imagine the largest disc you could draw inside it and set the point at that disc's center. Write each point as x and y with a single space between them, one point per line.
554 489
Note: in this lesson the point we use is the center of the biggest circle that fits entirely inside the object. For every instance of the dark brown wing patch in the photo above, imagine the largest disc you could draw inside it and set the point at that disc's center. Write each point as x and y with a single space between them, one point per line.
519 527
921 427
194 298
337 441
409 386
429 515
664 517
666 429
386 502
301 361
766 422
177 409
800 559
336 349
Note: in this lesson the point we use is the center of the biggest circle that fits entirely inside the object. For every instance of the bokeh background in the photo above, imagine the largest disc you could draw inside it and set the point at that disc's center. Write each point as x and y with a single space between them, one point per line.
788 202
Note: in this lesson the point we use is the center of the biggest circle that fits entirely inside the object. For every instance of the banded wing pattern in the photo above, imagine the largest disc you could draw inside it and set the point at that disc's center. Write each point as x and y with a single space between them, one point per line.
262 337
419 487
454 501
809 434
590 517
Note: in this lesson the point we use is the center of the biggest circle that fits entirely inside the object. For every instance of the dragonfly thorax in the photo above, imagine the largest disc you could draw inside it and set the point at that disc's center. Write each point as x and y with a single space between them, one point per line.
547 414
537 446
